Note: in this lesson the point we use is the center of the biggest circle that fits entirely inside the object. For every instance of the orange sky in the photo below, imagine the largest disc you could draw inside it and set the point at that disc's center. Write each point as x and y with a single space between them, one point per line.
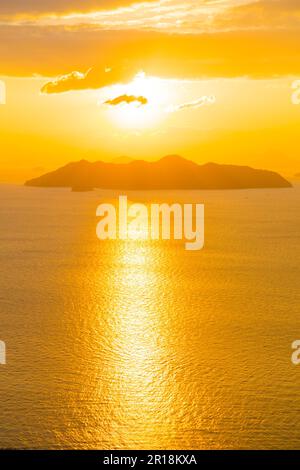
210 80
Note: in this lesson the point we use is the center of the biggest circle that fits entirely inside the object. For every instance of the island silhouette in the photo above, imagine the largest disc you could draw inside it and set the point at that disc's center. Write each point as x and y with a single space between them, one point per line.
171 172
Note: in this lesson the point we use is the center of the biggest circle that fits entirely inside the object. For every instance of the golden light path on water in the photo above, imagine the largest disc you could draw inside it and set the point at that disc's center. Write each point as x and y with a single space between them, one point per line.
139 388
151 357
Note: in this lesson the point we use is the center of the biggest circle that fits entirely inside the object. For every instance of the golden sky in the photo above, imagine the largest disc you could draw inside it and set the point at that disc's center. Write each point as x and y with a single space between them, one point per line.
97 79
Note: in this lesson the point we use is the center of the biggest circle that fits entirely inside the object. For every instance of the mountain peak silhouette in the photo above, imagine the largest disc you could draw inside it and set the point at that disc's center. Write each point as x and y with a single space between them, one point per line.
170 172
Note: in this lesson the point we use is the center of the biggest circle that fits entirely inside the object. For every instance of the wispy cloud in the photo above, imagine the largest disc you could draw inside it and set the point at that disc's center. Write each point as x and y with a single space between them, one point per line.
42 7
204 100
257 38
127 99
177 16
180 16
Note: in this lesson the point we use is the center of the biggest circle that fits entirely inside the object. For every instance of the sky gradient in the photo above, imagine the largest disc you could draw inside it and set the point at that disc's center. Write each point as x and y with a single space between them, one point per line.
210 80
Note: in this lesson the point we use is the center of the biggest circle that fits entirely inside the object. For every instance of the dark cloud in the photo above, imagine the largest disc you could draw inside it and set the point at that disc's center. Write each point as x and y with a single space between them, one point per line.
128 99
92 79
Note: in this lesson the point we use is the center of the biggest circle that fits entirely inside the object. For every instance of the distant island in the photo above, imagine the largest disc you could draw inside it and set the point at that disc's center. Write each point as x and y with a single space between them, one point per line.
171 172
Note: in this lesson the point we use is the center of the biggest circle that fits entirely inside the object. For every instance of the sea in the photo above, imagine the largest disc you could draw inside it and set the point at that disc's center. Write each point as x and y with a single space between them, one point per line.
141 344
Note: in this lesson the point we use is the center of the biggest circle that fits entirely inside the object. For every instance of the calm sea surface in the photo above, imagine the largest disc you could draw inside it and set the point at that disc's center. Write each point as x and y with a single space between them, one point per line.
141 344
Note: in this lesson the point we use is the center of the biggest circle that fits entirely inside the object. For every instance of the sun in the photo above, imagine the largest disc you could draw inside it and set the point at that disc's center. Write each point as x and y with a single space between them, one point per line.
136 115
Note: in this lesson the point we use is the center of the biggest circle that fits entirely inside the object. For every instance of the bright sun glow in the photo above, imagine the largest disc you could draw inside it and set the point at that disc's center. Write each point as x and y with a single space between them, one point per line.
136 115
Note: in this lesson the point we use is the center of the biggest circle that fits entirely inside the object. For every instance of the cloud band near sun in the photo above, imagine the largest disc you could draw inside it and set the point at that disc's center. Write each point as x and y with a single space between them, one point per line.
127 99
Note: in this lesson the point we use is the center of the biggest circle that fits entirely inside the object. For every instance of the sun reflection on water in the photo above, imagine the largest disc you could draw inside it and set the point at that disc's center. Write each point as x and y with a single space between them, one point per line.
136 340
